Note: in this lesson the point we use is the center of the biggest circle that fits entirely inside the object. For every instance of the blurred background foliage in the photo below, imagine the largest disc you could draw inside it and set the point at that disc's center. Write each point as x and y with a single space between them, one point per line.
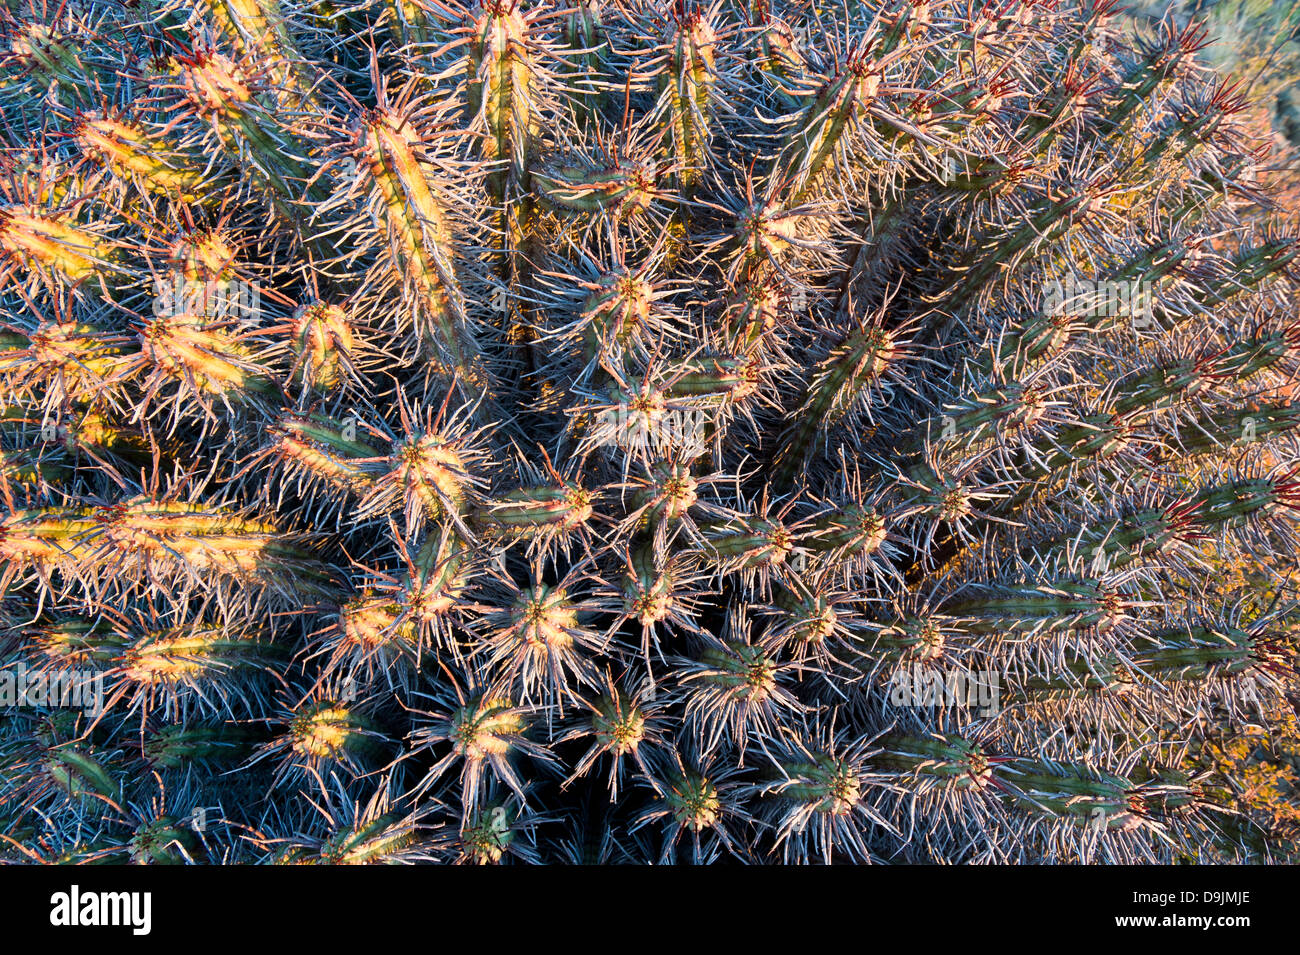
1256 765
1254 40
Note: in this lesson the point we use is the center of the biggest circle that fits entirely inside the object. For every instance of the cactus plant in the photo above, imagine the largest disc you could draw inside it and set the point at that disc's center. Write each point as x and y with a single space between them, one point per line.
636 431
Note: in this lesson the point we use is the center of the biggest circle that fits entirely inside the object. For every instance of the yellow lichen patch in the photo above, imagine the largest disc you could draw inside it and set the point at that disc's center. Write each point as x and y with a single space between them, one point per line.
80 358
485 729
418 226
687 87
38 239
47 536
501 86
185 655
618 728
433 472
215 82
371 622
437 581
323 344
130 151
544 621
322 732
204 256
205 354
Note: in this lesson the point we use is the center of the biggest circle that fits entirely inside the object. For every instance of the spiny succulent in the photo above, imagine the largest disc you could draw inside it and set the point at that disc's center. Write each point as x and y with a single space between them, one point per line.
632 431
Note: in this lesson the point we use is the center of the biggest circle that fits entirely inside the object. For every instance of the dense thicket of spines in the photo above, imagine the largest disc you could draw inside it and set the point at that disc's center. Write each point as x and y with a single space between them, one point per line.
556 433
